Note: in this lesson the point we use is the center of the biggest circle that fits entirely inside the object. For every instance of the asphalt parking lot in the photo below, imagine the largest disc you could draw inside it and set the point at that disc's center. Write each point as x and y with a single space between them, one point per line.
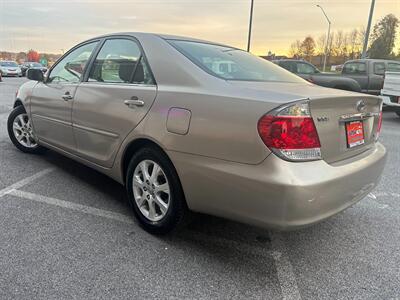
66 232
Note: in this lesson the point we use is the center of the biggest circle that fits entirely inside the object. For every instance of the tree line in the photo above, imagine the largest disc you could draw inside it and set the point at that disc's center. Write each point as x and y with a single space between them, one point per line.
343 45
31 55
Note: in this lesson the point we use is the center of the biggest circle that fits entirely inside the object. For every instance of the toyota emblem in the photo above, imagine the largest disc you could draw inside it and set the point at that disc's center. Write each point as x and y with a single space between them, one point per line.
361 105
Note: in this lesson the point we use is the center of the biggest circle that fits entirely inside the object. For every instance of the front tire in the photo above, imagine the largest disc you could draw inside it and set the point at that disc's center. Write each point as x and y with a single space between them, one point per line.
154 191
21 133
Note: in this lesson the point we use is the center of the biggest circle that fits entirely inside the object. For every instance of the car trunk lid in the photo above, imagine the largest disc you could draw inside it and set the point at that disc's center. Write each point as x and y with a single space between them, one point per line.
337 120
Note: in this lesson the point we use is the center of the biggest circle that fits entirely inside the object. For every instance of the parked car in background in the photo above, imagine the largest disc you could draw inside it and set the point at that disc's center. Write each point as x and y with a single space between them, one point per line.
246 140
10 68
32 65
310 73
369 73
391 92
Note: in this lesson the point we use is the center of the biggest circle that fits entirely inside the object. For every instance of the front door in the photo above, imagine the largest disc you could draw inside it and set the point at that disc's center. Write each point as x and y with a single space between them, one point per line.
112 101
52 100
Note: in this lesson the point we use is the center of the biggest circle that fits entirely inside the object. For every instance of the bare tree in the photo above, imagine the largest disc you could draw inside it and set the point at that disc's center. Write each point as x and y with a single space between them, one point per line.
308 48
295 50
338 43
353 36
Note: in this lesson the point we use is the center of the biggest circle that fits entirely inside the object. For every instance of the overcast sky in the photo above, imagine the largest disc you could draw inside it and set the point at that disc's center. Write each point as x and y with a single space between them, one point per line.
52 25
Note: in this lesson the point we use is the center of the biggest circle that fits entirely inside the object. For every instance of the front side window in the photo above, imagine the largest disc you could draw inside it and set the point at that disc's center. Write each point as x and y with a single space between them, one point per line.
70 69
379 68
303 68
231 63
393 67
355 68
120 61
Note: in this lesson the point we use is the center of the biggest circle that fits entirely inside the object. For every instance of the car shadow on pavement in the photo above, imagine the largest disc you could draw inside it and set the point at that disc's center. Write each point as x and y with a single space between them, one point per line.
200 225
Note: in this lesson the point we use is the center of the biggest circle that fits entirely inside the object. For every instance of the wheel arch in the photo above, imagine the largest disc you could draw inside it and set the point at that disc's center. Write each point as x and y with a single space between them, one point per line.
134 146
17 103
140 143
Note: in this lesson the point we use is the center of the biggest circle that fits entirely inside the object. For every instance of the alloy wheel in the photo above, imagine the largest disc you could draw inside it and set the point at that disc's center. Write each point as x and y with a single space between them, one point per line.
23 132
151 190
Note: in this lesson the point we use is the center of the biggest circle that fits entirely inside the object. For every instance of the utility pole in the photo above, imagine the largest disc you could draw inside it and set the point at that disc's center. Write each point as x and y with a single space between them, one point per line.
250 25
327 37
371 13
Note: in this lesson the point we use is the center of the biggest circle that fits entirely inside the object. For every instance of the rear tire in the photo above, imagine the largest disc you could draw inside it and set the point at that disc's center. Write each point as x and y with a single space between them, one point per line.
398 113
154 191
21 133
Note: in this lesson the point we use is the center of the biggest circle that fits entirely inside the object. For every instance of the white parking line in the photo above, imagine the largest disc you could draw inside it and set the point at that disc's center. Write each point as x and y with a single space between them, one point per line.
25 181
284 269
73 206
286 276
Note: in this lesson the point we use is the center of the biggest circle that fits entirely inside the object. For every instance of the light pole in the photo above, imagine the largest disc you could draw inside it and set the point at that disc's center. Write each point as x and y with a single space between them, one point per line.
250 24
328 36
371 13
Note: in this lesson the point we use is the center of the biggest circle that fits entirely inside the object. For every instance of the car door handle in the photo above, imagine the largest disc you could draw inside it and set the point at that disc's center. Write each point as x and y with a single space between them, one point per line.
67 97
132 103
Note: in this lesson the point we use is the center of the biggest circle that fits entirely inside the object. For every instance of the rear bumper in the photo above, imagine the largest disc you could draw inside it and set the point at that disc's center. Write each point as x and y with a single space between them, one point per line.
276 193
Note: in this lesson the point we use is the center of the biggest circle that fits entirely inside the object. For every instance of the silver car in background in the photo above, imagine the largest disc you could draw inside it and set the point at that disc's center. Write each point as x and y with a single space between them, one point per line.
191 125
10 68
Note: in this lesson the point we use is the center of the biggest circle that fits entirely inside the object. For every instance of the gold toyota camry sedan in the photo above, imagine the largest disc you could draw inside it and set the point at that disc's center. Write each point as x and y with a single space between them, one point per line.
190 125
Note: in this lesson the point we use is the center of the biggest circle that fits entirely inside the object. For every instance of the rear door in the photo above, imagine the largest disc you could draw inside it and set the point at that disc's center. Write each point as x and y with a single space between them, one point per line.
116 95
52 100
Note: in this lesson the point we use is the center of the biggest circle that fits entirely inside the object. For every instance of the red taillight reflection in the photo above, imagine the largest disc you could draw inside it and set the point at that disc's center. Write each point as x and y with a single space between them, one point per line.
380 122
288 132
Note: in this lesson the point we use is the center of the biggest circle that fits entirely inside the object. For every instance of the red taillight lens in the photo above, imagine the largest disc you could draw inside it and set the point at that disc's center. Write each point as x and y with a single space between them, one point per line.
288 132
379 127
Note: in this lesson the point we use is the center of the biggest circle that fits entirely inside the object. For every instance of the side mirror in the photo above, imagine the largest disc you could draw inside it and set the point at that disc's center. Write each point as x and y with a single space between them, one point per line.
35 74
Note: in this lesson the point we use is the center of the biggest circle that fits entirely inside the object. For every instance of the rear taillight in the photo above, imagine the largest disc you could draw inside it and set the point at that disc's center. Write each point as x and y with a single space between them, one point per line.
290 133
379 127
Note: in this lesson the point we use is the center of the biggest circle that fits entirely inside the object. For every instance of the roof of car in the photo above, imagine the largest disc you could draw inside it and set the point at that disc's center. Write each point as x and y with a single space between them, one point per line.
372 60
163 36
294 60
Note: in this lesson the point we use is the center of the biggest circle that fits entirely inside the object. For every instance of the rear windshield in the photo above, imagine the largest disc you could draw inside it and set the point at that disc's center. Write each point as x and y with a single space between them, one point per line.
8 64
231 63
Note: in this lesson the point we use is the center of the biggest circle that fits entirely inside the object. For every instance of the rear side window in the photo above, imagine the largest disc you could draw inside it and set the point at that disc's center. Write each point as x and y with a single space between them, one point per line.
379 68
120 61
231 63
393 67
355 68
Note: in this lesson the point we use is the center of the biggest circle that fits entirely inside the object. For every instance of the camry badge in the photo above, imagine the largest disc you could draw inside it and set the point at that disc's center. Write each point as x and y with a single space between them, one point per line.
361 105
